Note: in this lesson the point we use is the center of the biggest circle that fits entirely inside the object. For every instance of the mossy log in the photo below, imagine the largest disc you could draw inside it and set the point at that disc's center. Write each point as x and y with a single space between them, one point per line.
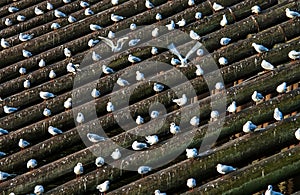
231 153
257 176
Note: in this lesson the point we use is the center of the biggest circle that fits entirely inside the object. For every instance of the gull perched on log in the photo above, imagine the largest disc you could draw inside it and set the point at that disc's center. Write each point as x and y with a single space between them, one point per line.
92 42
155 33
138 145
224 21
152 139
72 68
88 12
25 37
104 187
191 183
116 18
270 191
267 65
26 84
111 35
49 6
148 4
13 9
38 11
199 71
257 97
171 26
114 2
249 127
232 107
297 134
67 52
4 175
157 192
181 23
294 55
23 143
80 118
8 22
38 190
158 16
95 93
68 103
142 170
277 114
4 43
59 14
72 19
46 95
225 41
291 14
132 26
99 162
52 74
133 59
84 4
107 70
281 88
195 121
154 50
95 56
116 154
191 153
47 112
21 18
31 164
198 15
26 54
42 63
214 115
158 87
223 61
95 138
122 82
183 61
217 7
181 101
174 129
110 107
255 9
133 42
78 169
259 48
55 26
95 27
224 169
154 114
118 46
194 35
54 131
9 109
3 131
139 120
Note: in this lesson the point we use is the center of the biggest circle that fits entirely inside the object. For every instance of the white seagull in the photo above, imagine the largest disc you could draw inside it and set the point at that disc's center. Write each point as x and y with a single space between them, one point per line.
270 191
72 19
116 18
138 145
174 129
84 4
281 88
291 14
26 54
54 131
175 61
80 118
25 37
95 56
88 12
199 71
49 6
4 43
104 187
23 143
223 61
115 2
99 162
110 107
191 183
225 41
267 65
158 17
116 154
31 164
217 7
139 76
249 127
277 114
157 192
194 35
55 26
144 170
118 46
214 115
181 23
107 70
297 134
224 21
95 93
198 15
52 74
132 26
255 9
8 22
47 112
224 169
257 97
133 59
183 61
181 101
38 190
259 48
95 138
154 114
95 27
42 63
195 121
68 103
152 139
139 120
26 84
8 109
170 26
219 86
21 18
13 9
3 131
148 4
72 68
92 42
191 2
155 33
59 14
122 82
232 107
46 95
294 55
111 35
191 153
38 11
158 87
67 52
78 169
4 175
133 42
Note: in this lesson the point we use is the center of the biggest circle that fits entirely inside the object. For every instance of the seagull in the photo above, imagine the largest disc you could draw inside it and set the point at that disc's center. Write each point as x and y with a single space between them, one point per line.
181 101
132 26
38 189
171 26
144 170
198 15
95 93
281 88
95 56
195 121
78 169
95 138
138 145
107 70
133 42
116 154
25 37
122 82
174 129
115 2
214 115
42 63
270 191
52 74
12 9
111 35
291 14
154 114
4 175
72 68
224 169
26 84
194 35
139 76
225 41
199 71
47 112
175 61
80 118
191 153
23 143
297 134
255 9
183 61
154 51
99 162
104 187
67 1
139 120
249 127
55 26
294 55
21 18
26 54
84 4
59 14
152 139
267 65
116 18
8 22
158 17
259 48
110 107
257 97
38 11
88 12
149 5
8 109
95 27
181 23
155 33
191 2
133 59
67 52
277 114
223 61
191 183
158 87
68 103
217 7
31 164
224 21
92 42
3 131
219 86
2 154
71 19
118 46
157 192
232 107
46 95
49 6
54 131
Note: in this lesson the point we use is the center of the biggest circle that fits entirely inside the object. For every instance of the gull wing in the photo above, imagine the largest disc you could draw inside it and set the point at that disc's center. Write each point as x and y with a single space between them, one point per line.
107 41
174 51
195 48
